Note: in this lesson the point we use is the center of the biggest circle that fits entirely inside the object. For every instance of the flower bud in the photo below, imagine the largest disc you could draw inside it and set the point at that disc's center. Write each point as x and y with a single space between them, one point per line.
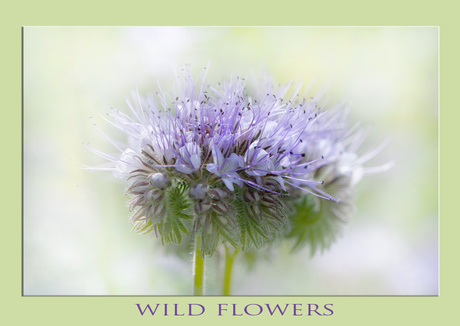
218 193
198 191
252 196
139 187
154 194
159 180
202 206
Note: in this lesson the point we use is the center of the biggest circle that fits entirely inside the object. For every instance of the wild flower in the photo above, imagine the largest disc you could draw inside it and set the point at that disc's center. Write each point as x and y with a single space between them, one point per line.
221 164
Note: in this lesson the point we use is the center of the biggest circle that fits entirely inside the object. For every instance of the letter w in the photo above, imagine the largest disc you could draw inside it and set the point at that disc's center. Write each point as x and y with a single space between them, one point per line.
279 309
147 307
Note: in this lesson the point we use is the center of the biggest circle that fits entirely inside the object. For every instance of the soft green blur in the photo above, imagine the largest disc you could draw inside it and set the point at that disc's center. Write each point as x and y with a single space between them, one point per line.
77 239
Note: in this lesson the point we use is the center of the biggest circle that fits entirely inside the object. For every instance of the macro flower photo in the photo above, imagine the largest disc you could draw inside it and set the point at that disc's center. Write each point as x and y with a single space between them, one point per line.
191 167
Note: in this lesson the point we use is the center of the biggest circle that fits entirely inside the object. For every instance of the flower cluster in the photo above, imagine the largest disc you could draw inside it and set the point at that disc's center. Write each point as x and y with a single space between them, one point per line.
223 165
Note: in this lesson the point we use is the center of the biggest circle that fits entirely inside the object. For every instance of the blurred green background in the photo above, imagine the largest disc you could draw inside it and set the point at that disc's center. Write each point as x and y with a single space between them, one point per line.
77 239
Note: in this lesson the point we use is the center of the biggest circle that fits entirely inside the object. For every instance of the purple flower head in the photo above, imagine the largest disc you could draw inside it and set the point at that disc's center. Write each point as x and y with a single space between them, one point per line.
230 156
220 131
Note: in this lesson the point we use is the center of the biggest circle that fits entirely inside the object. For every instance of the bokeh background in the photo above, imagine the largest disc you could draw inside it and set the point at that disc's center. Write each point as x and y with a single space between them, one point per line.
77 239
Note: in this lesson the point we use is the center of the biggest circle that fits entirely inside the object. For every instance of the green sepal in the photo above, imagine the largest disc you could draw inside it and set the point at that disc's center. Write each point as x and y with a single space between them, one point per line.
177 206
259 221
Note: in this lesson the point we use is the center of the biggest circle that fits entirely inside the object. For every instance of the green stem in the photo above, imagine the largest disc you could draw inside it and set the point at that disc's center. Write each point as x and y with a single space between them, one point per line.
229 258
198 268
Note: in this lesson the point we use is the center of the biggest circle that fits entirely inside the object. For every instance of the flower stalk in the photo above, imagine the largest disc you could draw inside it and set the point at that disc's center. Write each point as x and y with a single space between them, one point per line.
229 259
198 268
